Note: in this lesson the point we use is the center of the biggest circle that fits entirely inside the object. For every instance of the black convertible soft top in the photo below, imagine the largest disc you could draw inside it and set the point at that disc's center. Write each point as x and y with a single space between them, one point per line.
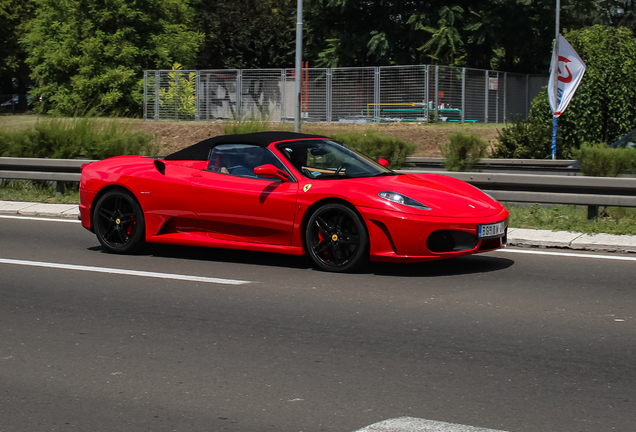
201 150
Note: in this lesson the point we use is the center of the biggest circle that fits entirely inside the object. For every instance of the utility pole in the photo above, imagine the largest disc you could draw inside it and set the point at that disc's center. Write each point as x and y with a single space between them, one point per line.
299 59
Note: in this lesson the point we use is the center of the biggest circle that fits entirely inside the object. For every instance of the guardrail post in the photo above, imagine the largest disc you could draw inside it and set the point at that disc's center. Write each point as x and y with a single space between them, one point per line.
592 213
59 188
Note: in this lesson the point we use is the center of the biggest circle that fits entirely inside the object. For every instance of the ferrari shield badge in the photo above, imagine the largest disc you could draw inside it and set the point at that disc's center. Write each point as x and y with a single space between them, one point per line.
306 187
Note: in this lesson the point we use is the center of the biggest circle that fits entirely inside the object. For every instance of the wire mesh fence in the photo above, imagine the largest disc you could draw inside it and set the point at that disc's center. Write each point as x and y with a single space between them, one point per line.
348 95
15 103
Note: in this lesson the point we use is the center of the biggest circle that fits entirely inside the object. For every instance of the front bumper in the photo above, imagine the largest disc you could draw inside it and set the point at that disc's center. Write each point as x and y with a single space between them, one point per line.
403 237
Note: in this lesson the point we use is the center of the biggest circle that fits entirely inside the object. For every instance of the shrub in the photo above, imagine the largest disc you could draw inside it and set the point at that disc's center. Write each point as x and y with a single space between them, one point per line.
524 139
245 125
377 145
598 160
463 152
85 137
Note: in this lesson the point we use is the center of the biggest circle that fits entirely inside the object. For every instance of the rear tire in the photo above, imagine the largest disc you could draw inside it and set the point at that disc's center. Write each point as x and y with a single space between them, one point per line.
119 222
336 239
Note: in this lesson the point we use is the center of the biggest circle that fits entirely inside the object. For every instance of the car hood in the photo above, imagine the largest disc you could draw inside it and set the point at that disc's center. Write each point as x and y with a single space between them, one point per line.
446 196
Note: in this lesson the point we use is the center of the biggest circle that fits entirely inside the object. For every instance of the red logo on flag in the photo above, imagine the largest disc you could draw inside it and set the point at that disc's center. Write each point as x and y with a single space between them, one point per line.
568 78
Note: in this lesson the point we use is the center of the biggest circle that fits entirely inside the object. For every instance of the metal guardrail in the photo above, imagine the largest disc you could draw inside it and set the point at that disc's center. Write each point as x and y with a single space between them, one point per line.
551 189
534 166
506 187
56 170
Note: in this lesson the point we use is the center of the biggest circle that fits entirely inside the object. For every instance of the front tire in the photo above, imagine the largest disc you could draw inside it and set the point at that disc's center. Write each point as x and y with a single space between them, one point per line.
119 222
336 238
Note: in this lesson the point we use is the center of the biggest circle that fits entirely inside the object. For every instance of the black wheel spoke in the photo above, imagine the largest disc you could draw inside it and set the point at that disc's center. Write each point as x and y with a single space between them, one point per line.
322 246
324 228
350 240
122 235
109 231
105 213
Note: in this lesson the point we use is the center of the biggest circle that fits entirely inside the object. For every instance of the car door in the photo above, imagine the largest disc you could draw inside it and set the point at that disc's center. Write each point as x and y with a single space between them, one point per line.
241 206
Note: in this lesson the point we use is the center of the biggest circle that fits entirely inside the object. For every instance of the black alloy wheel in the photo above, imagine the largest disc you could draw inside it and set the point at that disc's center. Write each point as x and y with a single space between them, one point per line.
119 222
336 238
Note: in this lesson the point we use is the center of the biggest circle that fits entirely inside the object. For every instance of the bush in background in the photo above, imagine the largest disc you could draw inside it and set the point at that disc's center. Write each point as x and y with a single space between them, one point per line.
463 152
598 160
523 139
245 125
86 137
378 145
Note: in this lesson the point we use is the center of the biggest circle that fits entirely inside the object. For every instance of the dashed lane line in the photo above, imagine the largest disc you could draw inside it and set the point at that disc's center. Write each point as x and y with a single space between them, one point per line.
414 424
124 272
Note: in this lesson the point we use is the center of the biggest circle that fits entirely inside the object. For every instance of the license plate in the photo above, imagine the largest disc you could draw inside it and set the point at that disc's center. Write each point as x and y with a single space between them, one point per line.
492 230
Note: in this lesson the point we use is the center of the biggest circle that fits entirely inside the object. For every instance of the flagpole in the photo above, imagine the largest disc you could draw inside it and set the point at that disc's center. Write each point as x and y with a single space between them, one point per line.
555 67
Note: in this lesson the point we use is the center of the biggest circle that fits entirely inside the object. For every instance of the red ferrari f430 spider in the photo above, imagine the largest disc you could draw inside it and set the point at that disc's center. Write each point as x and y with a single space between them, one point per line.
288 193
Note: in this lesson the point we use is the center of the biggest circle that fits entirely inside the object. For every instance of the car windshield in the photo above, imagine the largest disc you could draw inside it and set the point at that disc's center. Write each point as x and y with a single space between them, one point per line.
327 159
629 140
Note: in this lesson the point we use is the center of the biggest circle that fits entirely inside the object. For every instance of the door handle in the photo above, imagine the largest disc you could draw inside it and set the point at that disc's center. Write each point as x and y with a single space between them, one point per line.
197 174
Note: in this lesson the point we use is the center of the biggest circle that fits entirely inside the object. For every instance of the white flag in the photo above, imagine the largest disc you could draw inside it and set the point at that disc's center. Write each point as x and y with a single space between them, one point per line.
569 69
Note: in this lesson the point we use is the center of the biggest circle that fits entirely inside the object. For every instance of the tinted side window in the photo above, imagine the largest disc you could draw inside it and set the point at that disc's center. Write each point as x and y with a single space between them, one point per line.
241 159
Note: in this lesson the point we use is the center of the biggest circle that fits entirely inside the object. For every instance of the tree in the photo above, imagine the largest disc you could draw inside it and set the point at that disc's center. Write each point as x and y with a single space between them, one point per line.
87 54
445 40
13 15
246 34
362 33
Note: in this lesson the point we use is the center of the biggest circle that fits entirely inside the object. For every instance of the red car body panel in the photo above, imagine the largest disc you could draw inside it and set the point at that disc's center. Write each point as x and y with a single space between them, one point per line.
184 203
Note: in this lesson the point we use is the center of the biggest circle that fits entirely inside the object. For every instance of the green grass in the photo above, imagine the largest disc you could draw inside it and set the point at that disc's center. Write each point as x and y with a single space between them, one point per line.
612 220
38 191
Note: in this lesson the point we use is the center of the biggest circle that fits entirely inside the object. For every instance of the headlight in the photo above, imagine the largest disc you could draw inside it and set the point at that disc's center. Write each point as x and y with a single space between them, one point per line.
402 199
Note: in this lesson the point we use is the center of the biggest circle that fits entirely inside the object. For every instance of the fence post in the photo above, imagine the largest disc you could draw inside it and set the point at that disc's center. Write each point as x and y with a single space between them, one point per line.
463 95
145 95
505 96
376 93
436 93
486 107
329 90
497 108
427 93
239 93
527 95
197 82
157 86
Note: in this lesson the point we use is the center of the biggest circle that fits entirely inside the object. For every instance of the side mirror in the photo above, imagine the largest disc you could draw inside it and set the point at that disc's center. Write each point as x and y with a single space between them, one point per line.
383 162
270 170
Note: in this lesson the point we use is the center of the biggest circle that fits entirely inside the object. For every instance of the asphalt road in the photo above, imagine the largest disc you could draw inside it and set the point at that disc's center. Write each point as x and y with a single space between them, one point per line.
506 340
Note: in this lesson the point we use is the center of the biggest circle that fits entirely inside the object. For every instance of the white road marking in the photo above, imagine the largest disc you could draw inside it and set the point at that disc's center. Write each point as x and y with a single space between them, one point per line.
40 219
567 254
124 272
413 424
